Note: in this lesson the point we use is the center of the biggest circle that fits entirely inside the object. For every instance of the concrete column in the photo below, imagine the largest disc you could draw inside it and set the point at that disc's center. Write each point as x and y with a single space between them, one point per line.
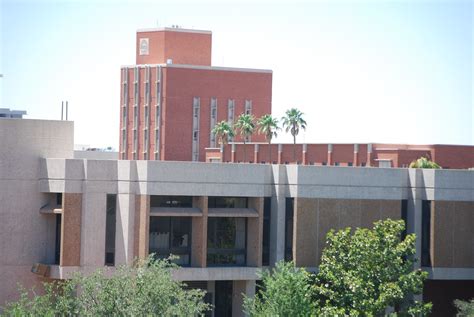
141 226
222 153
240 288
255 153
124 234
93 229
71 230
278 210
356 155
329 154
414 209
199 233
280 149
369 154
304 160
255 233
232 156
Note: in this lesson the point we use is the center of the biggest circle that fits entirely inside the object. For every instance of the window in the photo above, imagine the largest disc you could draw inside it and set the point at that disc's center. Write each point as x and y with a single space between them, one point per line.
59 199
124 140
145 141
336 163
135 140
195 145
57 242
110 223
227 202
289 229
426 233
324 163
171 201
248 106
267 208
171 235
362 164
227 241
213 121
349 164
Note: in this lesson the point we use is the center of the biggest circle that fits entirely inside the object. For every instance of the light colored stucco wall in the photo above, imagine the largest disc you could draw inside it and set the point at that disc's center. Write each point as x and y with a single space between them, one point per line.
26 236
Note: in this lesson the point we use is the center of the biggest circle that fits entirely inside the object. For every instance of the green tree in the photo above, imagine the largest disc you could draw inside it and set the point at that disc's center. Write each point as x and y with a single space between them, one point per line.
423 162
142 290
223 131
363 273
286 291
293 121
268 126
245 124
465 308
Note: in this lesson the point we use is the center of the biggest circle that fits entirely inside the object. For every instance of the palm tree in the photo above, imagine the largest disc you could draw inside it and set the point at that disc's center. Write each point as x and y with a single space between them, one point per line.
423 162
268 126
223 131
246 126
293 121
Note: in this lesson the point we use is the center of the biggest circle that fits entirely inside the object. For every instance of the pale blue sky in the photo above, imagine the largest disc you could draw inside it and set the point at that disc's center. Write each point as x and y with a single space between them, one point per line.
361 71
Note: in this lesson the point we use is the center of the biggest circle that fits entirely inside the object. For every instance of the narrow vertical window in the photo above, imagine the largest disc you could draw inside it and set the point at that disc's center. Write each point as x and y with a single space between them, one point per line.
289 229
196 110
110 223
266 231
230 114
57 244
248 106
213 121
426 233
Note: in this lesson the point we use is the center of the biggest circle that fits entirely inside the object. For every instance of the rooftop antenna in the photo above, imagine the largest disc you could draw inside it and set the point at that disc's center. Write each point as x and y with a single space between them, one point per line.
62 109
67 108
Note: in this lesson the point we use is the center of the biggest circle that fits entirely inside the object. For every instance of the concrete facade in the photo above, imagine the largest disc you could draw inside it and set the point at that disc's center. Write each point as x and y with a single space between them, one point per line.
38 163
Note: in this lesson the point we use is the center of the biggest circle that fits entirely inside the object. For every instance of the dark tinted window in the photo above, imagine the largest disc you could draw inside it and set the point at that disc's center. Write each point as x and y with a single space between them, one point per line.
267 204
226 241
171 201
228 202
289 229
425 233
110 223
171 235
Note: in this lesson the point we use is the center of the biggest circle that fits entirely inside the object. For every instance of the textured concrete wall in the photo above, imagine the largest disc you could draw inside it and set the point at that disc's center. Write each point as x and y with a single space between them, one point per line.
314 218
141 226
240 288
26 236
452 237
71 230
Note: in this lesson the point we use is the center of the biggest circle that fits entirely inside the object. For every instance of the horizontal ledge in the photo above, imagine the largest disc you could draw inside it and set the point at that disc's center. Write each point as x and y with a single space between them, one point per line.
232 212
50 210
176 212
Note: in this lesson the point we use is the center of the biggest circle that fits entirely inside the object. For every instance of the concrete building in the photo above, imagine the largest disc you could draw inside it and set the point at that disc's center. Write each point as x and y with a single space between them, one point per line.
61 215
172 98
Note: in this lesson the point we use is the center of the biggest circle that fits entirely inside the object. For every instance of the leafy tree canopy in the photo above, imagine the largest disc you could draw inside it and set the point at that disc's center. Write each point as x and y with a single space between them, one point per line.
465 308
142 290
363 273
423 162
286 292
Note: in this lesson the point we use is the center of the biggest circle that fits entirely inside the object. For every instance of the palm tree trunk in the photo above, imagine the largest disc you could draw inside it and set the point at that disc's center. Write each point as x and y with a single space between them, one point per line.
245 156
294 148
270 151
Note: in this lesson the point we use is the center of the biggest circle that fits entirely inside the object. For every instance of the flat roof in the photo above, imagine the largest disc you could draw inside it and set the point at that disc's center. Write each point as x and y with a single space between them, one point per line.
162 29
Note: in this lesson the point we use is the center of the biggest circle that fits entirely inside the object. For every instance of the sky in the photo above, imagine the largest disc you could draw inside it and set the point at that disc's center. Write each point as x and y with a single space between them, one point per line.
360 71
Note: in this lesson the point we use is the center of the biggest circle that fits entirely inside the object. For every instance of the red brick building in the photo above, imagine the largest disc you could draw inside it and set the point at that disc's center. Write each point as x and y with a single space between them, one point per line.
373 154
172 98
